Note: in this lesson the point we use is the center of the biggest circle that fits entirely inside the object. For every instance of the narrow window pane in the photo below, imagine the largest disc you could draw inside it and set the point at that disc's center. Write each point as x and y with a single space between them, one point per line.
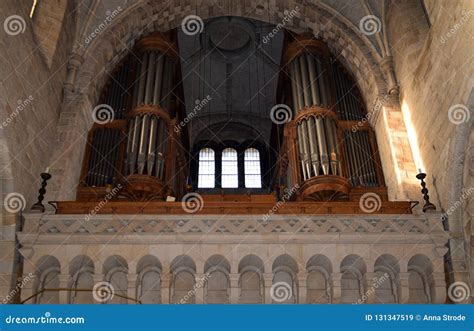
253 178
206 174
230 177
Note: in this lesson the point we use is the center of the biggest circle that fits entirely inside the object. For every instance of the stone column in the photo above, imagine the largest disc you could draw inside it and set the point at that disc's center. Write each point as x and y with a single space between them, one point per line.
336 287
234 288
439 288
166 287
404 287
200 283
64 281
132 287
98 277
302 287
29 289
369 292
268 281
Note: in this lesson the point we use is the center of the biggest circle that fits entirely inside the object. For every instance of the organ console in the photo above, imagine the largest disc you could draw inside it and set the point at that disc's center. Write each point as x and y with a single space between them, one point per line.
325 156
139 148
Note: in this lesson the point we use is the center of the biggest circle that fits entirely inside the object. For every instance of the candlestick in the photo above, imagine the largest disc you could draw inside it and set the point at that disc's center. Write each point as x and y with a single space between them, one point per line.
428 205
42 191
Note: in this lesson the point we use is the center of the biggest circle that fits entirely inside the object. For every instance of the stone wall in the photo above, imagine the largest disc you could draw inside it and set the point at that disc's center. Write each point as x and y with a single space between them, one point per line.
30 102
435 66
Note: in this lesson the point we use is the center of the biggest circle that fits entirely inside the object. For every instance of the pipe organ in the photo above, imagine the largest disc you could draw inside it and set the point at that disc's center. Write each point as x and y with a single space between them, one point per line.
138 148
326 156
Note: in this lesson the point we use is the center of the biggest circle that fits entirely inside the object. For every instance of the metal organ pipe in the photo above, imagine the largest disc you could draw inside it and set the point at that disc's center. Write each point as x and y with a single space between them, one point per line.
313 80
313 145
299 91
148 133
158 80
150 78
305 81
317 133
321 82
301 151
142 80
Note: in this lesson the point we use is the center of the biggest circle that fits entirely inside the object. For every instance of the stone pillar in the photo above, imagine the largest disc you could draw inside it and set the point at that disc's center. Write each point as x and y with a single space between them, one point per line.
369 292
268 281
98 277
166 288
404 287
200 283
29 289
234 288
132 287
302 287
64 281
439 290
336 287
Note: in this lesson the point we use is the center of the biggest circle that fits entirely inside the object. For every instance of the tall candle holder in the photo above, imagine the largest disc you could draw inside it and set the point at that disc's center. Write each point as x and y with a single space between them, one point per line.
428 205
38 206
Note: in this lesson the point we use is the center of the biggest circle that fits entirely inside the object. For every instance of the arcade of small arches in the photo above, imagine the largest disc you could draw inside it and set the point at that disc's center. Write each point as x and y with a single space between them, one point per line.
215 281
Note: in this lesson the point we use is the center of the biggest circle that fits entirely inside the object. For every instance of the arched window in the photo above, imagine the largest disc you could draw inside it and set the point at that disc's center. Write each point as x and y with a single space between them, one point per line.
253 177
207 168
230 174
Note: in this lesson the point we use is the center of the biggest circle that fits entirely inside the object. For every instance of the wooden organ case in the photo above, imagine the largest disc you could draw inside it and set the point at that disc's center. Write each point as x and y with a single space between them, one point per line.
139 150
329 150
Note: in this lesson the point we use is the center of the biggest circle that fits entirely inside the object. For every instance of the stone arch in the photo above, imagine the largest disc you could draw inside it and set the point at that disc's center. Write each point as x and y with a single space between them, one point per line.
251 270
217 286
149 271
285 269
183 271
91 63
459 209
318 281
421 283
81 271
387 279
116 274
345 40
47 273
48 18
8 220
353 282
